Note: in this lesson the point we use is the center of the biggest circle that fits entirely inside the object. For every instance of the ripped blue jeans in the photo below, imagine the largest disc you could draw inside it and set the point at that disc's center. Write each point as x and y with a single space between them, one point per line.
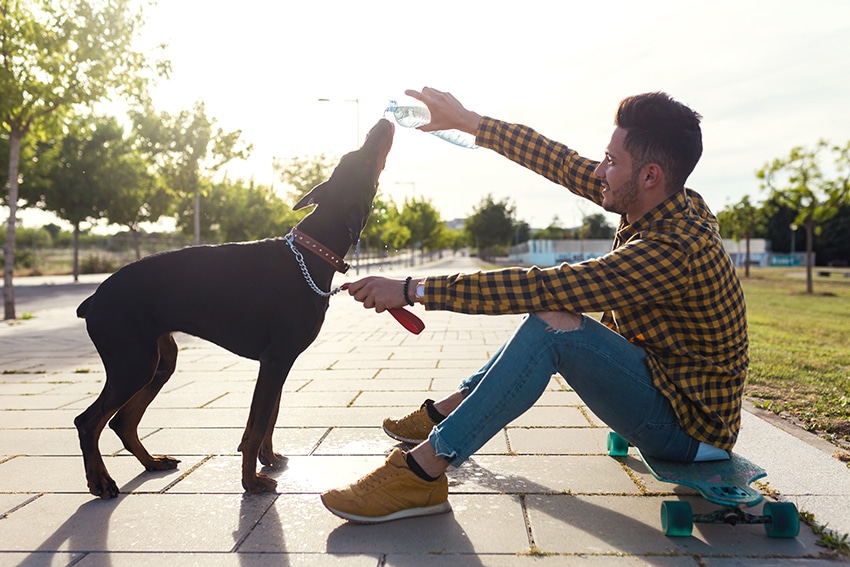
607 372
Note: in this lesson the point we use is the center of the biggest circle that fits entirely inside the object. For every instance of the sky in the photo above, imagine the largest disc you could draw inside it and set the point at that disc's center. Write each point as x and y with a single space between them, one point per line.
765 75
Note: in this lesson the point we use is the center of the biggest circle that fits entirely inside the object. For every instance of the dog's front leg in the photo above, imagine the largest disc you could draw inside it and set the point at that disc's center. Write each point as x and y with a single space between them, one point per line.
265 402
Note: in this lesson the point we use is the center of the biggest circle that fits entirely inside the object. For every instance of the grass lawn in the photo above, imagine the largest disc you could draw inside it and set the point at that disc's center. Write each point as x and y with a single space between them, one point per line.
800 347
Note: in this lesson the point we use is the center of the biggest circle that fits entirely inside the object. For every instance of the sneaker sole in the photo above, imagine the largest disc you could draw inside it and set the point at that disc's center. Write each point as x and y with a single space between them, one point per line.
402 439
441 508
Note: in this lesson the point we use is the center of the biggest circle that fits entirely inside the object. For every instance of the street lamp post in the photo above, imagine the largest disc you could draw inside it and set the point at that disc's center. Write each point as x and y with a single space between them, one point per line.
356 102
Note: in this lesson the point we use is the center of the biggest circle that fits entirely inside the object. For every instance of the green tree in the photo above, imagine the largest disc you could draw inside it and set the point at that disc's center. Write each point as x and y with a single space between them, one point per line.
595 227
302 173
188 151
232 211
457 239
382 210
91 167
55 55
743 220
129 193
391 232
799 182
424 223
491 226
555 231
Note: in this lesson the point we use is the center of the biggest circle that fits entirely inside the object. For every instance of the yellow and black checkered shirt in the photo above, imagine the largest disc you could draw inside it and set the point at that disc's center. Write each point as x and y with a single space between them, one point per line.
668 285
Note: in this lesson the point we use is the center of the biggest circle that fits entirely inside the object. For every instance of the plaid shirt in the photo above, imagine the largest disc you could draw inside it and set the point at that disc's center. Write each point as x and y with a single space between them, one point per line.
668 286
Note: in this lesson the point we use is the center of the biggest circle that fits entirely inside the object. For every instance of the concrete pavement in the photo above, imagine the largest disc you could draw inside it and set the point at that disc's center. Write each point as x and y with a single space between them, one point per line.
543 492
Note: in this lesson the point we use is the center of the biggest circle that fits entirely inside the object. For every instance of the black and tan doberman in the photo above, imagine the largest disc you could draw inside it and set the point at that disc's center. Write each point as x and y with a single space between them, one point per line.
263 300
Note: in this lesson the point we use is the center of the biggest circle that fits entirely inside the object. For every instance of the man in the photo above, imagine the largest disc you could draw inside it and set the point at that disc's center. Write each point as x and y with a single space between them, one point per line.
665 367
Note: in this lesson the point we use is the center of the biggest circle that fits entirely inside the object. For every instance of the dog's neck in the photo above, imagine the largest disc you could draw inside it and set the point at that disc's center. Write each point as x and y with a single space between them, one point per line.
334 238
312 245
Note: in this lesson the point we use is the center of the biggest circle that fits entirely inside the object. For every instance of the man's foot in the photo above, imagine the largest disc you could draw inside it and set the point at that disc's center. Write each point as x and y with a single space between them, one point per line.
390 492
415 427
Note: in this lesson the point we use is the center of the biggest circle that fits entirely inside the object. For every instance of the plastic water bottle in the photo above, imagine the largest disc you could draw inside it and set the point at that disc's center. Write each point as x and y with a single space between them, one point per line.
413 116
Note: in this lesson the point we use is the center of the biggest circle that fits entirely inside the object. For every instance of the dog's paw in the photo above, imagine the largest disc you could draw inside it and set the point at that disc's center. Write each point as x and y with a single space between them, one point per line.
162 463
104 487
262 483
272 459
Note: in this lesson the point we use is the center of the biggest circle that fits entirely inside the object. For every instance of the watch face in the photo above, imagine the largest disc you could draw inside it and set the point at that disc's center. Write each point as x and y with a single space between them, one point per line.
420 290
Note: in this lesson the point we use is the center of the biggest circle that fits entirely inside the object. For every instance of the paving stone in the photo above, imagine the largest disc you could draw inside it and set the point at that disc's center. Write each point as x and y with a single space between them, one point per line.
237 559
298 475
54 442
631 525
558 441
33 475
225 441
543 474
135 522
300 523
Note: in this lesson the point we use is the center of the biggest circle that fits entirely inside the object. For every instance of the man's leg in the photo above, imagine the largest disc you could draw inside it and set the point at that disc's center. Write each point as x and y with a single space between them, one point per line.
608 373
406 486
606 370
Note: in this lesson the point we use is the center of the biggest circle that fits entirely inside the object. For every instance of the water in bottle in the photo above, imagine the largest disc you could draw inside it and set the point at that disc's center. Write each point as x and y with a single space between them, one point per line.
413 116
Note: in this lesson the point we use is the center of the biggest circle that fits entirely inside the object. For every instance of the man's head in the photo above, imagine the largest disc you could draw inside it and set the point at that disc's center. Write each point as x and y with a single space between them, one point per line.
655 146
663 131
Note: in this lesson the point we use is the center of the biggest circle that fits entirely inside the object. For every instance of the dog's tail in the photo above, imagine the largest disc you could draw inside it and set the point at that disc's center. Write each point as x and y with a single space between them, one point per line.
83 309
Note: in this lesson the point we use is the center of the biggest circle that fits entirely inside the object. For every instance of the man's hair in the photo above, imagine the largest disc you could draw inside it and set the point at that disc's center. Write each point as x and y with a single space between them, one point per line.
663 131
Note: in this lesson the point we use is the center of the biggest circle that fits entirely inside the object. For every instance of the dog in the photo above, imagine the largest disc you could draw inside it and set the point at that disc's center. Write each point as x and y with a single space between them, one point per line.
263 300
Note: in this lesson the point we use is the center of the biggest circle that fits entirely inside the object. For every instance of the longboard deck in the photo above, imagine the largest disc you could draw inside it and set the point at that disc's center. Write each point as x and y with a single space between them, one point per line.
724 482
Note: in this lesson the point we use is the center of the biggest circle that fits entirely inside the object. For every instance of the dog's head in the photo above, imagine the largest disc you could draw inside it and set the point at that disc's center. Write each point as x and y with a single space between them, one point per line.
354 182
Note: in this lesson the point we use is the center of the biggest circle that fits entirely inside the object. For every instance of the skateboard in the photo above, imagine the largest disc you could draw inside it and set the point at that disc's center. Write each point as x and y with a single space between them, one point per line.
725 482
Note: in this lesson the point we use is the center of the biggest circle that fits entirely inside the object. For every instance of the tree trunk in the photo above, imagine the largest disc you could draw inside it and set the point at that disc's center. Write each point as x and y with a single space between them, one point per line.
9 250
76 261
135 234
810 236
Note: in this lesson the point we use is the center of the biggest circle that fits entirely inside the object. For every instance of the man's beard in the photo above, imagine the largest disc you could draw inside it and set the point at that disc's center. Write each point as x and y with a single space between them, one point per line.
625 196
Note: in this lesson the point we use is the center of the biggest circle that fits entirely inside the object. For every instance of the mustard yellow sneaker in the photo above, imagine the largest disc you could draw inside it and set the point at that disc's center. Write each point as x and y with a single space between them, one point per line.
390 492
413 428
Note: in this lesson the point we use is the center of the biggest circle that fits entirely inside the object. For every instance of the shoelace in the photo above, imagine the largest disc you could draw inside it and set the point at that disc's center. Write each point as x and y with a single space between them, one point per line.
368 481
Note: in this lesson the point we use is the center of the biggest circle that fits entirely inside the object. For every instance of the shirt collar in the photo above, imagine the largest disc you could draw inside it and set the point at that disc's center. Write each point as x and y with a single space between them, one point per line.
677 205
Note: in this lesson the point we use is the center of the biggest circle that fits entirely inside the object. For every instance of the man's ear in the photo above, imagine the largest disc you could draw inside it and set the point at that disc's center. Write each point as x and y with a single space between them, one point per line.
652 176
313 197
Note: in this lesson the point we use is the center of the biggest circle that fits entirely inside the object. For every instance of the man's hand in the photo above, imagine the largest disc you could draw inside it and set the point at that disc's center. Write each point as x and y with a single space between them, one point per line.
380 294
447 113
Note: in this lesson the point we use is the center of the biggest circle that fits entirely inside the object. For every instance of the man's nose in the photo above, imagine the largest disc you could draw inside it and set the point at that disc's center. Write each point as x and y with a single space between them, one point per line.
599 172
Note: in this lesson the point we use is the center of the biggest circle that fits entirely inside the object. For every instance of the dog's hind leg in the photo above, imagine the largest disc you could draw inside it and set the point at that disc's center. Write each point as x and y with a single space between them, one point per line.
125 375
267 455
126 421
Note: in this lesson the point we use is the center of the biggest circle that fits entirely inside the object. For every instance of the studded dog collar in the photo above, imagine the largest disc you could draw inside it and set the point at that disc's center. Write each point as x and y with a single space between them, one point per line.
320 250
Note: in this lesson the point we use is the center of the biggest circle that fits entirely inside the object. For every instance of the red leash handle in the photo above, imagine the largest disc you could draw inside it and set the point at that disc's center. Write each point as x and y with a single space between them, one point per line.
407 319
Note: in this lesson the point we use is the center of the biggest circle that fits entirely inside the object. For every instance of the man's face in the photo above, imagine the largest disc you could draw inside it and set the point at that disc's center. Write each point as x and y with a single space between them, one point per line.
621 189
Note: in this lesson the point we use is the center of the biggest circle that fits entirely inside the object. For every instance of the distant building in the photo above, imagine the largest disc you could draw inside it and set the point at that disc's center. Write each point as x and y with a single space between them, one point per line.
554 252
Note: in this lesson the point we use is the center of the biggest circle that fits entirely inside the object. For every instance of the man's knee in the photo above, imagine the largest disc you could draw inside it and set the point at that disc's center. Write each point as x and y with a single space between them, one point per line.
561 320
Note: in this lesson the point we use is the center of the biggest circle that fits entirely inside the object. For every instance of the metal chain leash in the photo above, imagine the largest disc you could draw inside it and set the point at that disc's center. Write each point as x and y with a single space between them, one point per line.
299 257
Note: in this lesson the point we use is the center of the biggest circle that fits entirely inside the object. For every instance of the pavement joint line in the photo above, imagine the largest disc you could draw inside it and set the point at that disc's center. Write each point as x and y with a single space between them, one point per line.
189 471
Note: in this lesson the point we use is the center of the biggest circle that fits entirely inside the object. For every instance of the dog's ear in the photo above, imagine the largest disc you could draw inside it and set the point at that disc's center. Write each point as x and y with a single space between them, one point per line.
313 197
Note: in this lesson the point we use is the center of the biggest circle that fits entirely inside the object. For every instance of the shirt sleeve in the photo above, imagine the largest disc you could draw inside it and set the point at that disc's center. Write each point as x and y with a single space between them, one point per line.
641 272
553 160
